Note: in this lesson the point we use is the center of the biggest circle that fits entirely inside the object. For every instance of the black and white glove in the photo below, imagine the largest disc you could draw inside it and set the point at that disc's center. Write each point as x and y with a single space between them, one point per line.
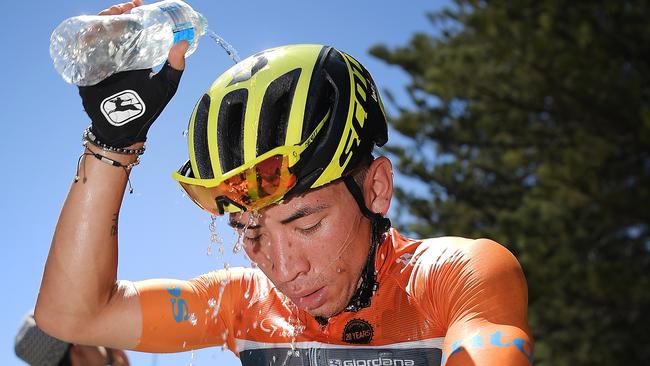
123 107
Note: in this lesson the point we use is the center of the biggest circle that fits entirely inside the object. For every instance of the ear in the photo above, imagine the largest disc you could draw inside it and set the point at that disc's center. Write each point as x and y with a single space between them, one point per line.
378 185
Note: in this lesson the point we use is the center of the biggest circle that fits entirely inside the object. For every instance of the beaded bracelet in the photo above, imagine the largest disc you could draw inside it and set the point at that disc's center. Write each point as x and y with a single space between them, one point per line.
109 161
90 137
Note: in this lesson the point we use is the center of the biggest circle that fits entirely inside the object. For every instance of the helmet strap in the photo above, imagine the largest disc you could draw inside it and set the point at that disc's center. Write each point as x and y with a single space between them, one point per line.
379 226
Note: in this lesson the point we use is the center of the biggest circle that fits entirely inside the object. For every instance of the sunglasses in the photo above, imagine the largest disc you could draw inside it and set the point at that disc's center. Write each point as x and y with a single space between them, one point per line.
252 186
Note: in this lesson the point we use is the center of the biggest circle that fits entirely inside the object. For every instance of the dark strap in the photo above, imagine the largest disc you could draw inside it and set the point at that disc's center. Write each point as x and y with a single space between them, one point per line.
379 226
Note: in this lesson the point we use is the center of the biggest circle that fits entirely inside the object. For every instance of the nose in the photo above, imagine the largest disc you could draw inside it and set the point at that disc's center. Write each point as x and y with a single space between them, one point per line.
287 258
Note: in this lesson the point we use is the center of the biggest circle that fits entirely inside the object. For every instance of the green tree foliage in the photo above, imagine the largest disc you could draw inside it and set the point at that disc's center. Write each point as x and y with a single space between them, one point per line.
530 124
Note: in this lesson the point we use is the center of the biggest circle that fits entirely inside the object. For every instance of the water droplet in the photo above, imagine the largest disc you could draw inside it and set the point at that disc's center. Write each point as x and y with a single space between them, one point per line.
186 132
226 266
216 304
255 325
192 319
184 343
215 238
237 247
339 269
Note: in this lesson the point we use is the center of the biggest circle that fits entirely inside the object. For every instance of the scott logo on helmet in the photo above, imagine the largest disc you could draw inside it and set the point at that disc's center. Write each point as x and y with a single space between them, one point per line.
359 113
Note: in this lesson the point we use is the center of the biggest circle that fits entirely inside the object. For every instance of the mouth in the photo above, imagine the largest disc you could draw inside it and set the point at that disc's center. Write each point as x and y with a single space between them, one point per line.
312 300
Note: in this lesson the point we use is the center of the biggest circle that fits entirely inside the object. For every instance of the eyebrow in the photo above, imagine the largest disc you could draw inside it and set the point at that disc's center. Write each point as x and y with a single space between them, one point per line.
304 211
239 226
300 213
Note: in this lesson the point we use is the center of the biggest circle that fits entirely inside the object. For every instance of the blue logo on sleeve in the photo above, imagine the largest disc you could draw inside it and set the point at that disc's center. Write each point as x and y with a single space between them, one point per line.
495 340
180 310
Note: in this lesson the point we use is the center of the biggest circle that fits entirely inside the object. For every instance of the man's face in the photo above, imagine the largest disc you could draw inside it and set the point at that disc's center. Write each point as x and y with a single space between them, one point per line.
312 247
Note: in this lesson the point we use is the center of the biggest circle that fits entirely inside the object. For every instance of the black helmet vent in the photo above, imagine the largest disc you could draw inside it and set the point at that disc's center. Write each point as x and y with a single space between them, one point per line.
323 101
200 138
274 115
230 129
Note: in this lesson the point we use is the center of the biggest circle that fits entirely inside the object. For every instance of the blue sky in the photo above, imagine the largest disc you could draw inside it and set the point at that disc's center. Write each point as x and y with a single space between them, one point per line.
162 234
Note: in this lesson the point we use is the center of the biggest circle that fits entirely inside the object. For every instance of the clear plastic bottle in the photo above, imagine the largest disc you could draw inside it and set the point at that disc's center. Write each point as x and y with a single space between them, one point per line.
89 48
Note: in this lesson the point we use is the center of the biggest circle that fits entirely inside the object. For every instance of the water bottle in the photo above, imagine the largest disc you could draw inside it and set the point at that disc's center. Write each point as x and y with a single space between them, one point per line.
89 48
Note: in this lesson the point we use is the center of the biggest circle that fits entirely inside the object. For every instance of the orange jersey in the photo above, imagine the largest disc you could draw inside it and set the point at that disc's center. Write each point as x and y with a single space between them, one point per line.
437 300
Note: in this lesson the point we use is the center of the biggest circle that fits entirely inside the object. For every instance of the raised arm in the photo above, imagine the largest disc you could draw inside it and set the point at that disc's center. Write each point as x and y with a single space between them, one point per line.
80 300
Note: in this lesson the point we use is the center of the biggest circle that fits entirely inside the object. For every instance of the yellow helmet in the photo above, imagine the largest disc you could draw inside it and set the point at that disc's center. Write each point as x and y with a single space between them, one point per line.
279 123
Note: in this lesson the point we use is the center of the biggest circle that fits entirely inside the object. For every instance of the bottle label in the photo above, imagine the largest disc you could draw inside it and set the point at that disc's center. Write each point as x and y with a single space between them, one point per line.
185 34
183 30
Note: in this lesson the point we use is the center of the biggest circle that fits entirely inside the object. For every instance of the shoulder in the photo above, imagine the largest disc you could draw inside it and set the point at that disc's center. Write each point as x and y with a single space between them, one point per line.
480 256
236 286
234 275
236 279
444 253
449 273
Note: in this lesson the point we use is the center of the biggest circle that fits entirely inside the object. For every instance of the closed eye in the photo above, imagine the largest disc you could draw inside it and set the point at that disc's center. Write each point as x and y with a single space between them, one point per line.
311 229
254 238
253 242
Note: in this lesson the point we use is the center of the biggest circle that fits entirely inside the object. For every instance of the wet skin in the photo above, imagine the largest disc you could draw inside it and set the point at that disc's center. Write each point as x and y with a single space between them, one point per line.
312 247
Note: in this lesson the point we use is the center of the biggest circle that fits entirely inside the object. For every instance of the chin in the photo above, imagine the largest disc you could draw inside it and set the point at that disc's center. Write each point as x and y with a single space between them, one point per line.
328 310
324 313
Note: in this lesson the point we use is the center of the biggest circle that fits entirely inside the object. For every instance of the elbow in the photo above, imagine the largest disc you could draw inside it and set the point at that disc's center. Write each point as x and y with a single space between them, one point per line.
46 322
54 324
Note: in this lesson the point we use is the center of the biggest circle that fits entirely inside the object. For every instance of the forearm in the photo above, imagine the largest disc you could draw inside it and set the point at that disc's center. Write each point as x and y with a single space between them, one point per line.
80 273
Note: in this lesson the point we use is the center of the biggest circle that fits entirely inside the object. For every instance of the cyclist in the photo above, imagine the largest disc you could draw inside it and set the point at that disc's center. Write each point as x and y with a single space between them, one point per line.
282 142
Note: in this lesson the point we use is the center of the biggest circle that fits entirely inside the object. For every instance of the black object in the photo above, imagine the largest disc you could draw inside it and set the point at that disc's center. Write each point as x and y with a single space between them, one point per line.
123 106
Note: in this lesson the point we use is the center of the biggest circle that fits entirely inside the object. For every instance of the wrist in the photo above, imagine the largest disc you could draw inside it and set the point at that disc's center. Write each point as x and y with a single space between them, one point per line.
113 158
124 158
89 137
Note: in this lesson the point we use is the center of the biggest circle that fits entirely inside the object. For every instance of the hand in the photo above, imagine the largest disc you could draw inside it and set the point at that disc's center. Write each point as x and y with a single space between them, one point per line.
97 356
124 106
